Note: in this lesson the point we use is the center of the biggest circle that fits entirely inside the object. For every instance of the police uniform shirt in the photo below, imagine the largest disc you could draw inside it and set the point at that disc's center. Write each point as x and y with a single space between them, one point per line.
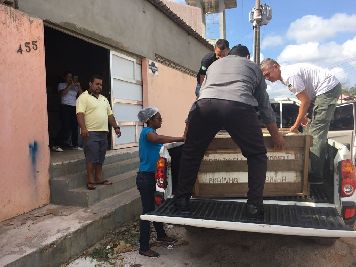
205 63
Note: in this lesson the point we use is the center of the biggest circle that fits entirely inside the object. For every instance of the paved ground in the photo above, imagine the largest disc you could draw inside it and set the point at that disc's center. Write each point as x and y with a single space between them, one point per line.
208 247
60 232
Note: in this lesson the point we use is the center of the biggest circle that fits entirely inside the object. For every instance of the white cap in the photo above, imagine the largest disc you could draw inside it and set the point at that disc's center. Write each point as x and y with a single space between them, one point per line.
145 114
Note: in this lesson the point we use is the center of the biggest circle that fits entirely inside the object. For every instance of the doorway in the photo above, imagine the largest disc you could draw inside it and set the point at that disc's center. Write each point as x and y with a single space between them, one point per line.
67 53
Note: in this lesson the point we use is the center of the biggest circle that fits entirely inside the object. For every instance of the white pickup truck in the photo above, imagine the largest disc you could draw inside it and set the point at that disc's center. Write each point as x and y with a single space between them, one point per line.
328 211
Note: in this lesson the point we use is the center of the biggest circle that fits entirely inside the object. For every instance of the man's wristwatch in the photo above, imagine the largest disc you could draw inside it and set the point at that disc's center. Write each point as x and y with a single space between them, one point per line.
116 127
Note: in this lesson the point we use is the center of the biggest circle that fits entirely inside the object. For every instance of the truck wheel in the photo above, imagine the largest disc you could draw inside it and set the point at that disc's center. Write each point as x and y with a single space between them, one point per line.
324 241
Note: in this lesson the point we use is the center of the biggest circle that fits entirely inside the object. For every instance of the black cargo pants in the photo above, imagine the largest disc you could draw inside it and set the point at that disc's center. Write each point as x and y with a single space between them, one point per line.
146 184
205 119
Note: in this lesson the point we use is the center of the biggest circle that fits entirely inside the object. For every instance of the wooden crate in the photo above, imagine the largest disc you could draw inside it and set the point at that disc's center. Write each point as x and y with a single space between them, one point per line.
223 172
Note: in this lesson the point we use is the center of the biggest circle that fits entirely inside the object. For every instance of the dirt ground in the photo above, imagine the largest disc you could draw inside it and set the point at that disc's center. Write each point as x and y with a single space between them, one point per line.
209 247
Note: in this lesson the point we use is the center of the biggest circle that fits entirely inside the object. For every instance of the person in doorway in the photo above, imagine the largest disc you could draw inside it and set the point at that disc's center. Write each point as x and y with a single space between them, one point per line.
221 50
76 84
150 144
234 86
69 92
318 91
93 115
54 118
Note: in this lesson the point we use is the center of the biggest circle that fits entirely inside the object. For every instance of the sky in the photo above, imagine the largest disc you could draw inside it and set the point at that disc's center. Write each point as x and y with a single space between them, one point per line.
320 32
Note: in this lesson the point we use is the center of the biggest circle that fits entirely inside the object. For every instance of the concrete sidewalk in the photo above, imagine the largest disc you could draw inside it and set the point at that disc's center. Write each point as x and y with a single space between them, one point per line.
53 235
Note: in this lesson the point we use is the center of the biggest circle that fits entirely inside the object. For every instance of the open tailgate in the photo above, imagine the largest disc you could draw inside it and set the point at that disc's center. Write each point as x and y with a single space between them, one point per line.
278 219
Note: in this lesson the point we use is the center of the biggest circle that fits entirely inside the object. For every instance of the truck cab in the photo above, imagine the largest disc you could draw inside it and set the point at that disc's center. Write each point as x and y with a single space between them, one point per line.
286 111
342 127
325 210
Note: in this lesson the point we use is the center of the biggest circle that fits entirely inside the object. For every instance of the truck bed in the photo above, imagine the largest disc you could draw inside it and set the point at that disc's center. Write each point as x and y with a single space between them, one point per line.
318 194
285 219
313 215
285 215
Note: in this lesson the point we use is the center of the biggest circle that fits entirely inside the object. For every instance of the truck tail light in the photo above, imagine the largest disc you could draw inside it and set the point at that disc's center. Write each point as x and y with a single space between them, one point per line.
348 178
161 173
159 199
348 212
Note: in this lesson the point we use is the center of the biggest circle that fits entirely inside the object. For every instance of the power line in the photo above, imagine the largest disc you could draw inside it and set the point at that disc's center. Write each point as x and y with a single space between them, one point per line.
341 62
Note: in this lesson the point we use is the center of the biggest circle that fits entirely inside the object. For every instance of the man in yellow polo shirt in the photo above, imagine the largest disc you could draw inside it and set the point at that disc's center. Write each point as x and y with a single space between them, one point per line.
93 115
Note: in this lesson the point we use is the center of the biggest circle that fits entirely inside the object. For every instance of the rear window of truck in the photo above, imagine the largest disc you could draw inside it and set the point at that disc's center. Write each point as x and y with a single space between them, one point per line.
343 118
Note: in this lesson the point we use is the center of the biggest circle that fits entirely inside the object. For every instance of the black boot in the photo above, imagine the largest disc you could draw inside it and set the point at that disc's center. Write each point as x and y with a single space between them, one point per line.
254 212
182 204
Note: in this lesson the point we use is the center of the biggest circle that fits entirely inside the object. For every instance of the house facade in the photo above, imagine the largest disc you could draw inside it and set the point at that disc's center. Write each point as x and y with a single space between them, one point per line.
146 53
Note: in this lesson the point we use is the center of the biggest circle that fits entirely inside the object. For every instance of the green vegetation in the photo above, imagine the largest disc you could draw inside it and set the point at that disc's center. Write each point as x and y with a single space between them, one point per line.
351 91
122 240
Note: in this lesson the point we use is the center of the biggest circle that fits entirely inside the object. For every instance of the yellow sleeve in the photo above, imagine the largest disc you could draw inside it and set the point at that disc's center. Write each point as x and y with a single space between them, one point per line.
109 109
81 104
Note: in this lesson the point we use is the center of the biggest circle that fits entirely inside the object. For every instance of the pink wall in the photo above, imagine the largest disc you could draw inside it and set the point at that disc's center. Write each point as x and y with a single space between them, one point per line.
189 14
24 157
172 91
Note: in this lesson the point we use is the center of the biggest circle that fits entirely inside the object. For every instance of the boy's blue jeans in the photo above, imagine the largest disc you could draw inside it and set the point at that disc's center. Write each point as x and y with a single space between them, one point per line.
146 184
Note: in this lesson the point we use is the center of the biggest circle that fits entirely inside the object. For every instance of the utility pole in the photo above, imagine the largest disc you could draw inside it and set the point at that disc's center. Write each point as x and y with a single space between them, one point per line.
257 17
260 15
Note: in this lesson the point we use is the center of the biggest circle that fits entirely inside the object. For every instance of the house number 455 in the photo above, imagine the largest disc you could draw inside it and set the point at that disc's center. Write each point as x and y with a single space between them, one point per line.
27 47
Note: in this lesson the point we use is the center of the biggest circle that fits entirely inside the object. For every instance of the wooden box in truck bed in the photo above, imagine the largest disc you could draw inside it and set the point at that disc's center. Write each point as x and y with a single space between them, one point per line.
223 171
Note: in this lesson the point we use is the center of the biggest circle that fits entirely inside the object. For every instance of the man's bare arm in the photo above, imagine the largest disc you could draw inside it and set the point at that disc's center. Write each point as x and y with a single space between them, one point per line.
201 78
81 123
303 109
276 136
112 122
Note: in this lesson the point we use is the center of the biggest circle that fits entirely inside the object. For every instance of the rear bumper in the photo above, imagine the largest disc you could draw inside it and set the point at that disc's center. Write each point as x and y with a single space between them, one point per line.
350 222
293 219
250 227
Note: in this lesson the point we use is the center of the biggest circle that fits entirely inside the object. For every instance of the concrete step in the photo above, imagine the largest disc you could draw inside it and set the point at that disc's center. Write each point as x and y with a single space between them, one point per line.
54 235
68 167
67 182
85 198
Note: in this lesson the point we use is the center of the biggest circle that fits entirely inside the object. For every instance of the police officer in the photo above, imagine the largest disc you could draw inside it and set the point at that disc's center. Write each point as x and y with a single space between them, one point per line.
221 50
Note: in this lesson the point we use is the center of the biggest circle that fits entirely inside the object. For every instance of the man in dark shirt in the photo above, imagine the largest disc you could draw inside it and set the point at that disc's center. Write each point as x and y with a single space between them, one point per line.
234 86
221 50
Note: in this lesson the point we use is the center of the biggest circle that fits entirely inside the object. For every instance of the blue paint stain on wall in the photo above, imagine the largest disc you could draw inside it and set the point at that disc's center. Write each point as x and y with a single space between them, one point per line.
33 149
